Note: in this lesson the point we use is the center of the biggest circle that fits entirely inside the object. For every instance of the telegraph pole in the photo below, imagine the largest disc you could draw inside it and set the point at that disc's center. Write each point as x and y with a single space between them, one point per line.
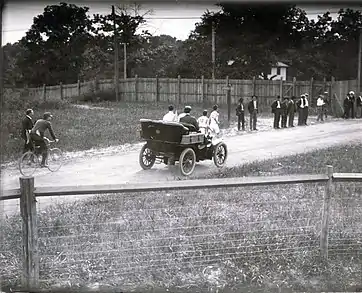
116 70
359 62
1 56
213 50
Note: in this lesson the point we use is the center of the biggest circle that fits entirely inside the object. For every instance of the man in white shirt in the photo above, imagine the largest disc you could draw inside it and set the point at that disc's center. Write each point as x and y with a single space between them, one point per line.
203 122
171 116
320 107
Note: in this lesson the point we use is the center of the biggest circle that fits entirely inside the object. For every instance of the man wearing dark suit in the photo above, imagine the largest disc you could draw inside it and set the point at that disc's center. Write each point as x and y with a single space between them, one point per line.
277 111
346 107
359 107
27 125
300 107
253 108
352 100
189 119
291 109
240 113
285 112
306 109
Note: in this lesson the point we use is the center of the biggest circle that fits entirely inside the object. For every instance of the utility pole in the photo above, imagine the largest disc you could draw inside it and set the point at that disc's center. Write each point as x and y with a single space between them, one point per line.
213 50
359 62
116 70
124 60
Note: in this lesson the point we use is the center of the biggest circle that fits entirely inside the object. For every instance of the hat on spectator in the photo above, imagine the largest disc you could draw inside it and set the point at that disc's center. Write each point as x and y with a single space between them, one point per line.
47 115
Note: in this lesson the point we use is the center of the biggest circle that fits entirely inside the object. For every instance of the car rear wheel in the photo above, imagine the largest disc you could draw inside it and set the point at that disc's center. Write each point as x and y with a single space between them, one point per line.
187 161
146 158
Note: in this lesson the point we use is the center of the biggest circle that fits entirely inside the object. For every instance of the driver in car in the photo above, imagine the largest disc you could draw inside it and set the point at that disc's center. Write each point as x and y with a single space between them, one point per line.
187 118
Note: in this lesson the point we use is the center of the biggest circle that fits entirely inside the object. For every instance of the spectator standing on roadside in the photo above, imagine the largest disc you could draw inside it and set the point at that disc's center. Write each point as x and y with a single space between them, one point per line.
253 108
359 107
346 107
27 124
291 109
352 100
285 112
320 107
276 110
203 122
240 113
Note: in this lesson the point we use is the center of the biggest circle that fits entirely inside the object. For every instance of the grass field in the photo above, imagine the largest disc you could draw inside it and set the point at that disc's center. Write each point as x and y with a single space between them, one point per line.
263 238
89 126
344 159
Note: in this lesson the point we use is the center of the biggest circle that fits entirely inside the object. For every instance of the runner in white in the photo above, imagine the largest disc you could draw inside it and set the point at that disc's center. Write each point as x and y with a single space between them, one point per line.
214 121
203 122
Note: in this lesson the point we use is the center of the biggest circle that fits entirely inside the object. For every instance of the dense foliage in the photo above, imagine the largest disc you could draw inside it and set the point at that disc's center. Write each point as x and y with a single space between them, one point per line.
65 44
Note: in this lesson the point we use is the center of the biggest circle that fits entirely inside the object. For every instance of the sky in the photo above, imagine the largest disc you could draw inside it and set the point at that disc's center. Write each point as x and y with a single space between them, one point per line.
177 20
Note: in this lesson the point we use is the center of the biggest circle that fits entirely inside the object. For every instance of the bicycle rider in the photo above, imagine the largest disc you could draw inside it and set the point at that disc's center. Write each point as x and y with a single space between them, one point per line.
37 135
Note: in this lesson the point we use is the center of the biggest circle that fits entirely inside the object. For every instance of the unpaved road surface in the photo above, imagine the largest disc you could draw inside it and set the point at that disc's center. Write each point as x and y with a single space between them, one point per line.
243 147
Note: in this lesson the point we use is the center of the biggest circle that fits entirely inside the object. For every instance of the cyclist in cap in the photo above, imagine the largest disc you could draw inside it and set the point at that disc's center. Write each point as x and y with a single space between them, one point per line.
37 135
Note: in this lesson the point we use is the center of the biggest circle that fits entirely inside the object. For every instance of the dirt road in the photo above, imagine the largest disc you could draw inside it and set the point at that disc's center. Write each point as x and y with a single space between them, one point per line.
243 147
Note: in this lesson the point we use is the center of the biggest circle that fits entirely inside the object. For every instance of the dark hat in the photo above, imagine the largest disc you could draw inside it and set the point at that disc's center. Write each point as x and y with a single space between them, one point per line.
47 115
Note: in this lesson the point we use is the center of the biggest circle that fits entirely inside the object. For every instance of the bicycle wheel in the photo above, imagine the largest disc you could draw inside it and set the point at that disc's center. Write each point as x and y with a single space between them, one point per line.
55 159
28 163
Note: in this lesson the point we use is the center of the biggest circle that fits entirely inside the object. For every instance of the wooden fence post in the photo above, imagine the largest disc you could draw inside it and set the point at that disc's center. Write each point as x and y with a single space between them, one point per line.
228 99
203 91
78 87
136 87
281 88
311 89
61 91
325 216
30 234
44 92
157 91
332 100
179 89
324 84
254 85
294 89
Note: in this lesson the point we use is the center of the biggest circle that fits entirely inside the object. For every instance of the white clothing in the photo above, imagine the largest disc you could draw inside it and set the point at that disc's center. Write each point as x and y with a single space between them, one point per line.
254 105
203 122
278 104
320 102
306 102
214 122
170 117
302 103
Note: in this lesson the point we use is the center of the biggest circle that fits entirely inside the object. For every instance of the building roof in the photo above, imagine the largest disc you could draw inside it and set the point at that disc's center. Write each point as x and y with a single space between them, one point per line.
281 64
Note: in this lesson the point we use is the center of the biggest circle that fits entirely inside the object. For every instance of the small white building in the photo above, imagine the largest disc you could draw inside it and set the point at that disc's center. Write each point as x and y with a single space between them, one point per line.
278 72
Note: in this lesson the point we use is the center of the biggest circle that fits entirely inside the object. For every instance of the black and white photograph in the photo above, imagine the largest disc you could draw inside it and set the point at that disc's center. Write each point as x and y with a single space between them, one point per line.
180 146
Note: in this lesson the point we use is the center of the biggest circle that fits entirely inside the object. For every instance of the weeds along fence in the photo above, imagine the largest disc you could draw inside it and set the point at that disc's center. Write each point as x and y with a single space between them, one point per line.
181 90
185 234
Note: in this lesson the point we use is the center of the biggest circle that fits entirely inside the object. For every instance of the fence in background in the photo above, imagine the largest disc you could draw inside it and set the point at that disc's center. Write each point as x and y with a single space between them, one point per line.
142 234
181 90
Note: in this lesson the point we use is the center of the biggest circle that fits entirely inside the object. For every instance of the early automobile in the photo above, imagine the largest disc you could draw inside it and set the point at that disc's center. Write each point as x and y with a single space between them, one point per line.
170 142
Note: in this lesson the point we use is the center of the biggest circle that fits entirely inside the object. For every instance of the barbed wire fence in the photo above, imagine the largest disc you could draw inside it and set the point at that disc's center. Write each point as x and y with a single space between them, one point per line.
261 236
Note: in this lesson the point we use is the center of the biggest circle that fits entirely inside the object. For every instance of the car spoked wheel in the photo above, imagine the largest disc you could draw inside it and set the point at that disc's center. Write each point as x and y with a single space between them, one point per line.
187 162
220 154
146 158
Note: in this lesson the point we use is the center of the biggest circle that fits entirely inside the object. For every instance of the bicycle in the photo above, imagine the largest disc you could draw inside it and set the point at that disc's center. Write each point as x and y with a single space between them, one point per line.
29 161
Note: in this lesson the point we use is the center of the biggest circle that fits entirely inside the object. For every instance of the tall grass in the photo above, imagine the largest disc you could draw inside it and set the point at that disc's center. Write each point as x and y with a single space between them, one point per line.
345 158
97 125
264 237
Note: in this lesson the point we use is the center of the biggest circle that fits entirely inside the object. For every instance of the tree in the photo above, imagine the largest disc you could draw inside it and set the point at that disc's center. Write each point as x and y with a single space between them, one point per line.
255 36
54 45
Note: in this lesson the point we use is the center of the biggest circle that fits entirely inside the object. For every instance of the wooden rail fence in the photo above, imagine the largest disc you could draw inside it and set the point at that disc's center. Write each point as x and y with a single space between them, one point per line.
183 90
28 193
